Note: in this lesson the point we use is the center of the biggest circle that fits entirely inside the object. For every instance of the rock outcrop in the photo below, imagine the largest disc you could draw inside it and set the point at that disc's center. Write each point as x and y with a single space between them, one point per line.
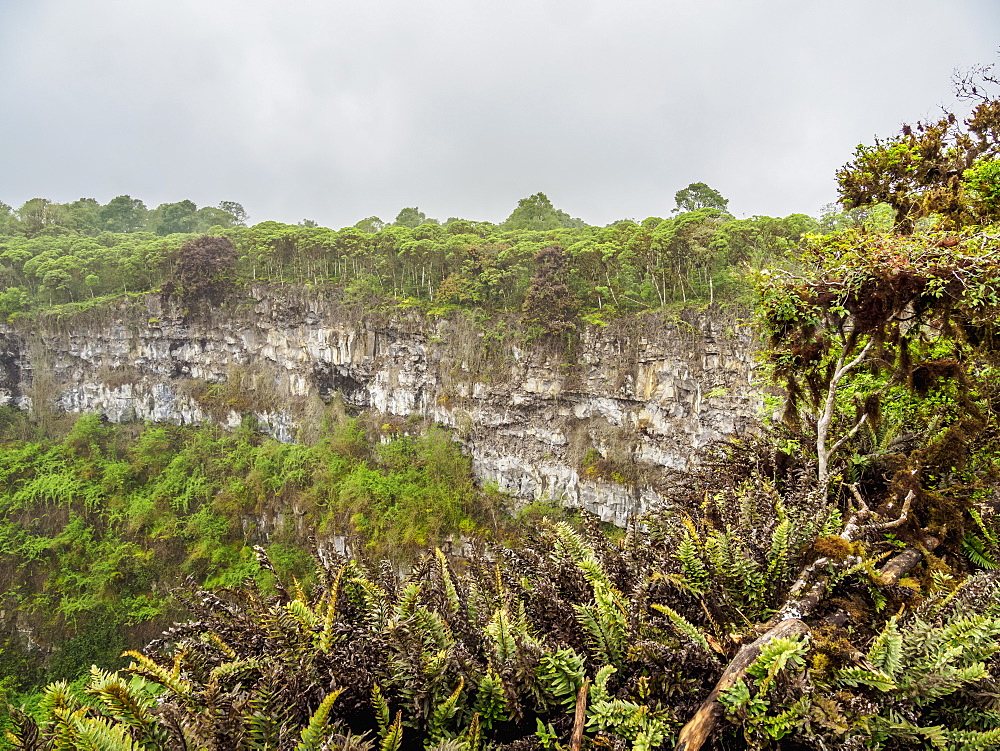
597 426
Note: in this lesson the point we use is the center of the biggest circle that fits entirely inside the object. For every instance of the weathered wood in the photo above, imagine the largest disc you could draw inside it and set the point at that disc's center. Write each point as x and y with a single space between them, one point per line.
694 734
580 717
900 565
805 594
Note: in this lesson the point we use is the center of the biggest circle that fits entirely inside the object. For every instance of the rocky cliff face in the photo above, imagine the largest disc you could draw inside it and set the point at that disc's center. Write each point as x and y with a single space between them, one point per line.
597 427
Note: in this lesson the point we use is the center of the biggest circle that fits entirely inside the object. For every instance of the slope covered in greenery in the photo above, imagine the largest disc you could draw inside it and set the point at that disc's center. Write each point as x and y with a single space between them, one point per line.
99 527
828 581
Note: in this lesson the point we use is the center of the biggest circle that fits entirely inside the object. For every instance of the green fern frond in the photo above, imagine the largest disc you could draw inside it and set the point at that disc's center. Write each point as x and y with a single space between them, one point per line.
325 638
777 556
375 601
599 688
315 733
57 695
491 703
302 613
381 707
96 734
169 679
561 674
861 677
833 524
444 712
606 624
775 656
407 601
685 628
978 551
569 545
453 603
123 702
235 667
392 738
886 652
693 569
501 636
972 740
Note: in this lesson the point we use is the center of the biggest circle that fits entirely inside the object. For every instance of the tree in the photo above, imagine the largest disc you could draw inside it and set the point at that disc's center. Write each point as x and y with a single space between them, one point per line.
410 217
83 216
536 212
123 214
235 211
177 217
699 196
549 303
946 169
209 216
206 267
36 215
874 305
371 225
6 218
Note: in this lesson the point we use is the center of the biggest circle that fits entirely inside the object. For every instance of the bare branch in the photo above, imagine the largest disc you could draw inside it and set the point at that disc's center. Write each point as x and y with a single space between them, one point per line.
853 431
903 516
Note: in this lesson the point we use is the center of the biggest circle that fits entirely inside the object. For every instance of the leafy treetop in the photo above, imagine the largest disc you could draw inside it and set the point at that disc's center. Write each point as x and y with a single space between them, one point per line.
947 168
700 196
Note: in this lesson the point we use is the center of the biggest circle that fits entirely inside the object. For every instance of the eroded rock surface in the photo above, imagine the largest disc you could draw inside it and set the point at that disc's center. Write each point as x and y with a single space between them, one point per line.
635 398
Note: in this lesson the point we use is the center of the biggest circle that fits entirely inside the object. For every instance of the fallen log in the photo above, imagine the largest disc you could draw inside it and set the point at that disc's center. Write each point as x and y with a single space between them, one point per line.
804 595
901 564
699 727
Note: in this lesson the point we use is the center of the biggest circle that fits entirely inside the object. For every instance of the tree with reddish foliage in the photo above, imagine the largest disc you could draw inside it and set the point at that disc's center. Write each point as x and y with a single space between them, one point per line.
206 267
550 304
946 170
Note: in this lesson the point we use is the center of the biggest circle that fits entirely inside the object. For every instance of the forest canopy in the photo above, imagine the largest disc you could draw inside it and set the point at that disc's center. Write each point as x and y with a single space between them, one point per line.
57 254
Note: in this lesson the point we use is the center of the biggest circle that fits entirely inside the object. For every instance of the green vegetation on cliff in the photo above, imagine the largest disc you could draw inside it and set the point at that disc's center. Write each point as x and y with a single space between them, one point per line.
98 527
829 581
627 266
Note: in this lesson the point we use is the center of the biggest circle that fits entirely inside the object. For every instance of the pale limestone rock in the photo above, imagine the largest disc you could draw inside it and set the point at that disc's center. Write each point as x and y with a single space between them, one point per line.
656 397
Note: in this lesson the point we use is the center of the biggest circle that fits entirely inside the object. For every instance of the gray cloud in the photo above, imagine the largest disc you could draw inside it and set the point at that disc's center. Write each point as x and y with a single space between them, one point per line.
339 111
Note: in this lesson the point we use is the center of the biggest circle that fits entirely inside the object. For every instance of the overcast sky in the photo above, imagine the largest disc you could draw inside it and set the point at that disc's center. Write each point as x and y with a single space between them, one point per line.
336 110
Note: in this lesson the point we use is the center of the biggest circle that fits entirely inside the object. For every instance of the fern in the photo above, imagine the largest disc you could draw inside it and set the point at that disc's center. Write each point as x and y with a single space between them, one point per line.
392 737
606 624
886 652
776 656
777 556
491 704
634 722
170 680
313 736
473 737
381 707
979 551
833 524
501 636
407 602
561 674
94 734
128 704
685 628
451 593
693 569
444 712
862 677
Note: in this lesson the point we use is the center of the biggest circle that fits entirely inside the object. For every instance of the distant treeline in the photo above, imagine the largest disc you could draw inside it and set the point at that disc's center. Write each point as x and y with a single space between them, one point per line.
54 254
